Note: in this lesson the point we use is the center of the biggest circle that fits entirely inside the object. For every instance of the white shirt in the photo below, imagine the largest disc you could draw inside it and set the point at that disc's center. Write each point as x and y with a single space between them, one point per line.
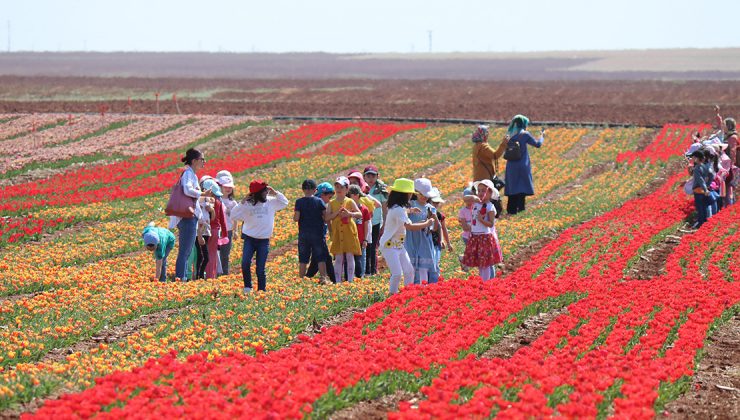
476 227
204 222
394 232
191 188
259 219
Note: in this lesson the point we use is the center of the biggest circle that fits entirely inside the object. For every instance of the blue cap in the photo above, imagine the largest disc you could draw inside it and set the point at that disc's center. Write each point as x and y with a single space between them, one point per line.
468 191
210 184
151 237
324 187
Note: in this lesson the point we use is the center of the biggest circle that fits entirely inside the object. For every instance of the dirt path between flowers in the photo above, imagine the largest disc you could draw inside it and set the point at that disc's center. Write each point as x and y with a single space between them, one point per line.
378 409
714 391
529 331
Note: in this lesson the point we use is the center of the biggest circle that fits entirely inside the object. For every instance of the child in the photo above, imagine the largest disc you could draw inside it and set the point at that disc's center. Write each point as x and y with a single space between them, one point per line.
219 233
204 233
419 242
309 213
257 211
377 190
483 250
700 172
440 237
393 239
342 230
325 191
465 217
160 241
364 230
226 182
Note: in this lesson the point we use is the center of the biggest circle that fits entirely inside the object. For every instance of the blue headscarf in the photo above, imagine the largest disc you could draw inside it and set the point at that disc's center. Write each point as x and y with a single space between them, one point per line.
517 124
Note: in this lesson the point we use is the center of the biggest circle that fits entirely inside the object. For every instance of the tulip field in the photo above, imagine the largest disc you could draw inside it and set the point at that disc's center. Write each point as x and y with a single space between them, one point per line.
85 331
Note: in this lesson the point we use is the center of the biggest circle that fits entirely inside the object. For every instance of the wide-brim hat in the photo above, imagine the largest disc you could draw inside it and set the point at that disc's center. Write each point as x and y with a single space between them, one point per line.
487 182
403 185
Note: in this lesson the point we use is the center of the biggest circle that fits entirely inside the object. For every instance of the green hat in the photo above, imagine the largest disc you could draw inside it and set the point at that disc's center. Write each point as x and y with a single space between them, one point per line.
403 185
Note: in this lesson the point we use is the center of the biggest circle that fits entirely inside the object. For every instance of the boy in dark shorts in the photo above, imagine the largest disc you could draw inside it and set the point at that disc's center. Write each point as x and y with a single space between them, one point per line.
309 213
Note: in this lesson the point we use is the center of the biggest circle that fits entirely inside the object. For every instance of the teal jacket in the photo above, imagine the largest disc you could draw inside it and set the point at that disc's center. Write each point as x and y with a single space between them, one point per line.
166 241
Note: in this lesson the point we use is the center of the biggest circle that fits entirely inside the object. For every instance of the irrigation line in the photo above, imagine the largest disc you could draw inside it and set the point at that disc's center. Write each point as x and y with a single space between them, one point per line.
461 121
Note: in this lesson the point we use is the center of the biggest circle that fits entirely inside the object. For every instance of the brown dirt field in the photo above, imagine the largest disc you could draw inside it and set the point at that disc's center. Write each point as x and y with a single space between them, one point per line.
631 102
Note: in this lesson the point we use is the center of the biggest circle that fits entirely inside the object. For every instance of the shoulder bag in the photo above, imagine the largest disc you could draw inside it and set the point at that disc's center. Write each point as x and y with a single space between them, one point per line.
179 204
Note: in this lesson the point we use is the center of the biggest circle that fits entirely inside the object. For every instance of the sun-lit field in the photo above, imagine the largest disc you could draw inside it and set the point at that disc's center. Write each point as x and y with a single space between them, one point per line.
84 329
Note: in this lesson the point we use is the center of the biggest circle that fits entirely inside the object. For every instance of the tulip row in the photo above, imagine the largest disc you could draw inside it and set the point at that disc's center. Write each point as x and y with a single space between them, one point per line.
673 140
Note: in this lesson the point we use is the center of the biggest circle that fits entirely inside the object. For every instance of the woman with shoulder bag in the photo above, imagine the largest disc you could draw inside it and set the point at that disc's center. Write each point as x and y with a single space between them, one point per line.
519 182
187 226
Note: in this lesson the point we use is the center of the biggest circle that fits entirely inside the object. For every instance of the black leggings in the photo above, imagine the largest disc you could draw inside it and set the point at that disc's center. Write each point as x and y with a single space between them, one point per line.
371 265
515 203
201 255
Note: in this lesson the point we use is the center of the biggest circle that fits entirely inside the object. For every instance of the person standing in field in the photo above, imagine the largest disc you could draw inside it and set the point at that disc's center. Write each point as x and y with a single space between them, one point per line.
419 243
377 190
219 233
160 242
324 191
226 182
364 229
309 213
257 211
731 139
483 250
392 242
485 157
187 228
343 230
519 183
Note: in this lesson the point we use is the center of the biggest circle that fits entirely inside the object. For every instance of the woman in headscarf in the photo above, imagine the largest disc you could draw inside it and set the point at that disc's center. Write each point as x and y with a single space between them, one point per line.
485 158
519 182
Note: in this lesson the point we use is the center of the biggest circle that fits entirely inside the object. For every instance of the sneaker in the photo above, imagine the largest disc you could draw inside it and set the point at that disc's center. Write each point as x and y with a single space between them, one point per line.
247 290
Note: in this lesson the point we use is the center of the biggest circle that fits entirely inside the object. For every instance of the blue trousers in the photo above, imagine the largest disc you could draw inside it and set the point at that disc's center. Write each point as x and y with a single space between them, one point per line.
187 229
262 248
701 202
163 275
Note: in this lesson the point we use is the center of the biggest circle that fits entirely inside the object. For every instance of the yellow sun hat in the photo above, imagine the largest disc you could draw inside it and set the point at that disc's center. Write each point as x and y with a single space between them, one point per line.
403 185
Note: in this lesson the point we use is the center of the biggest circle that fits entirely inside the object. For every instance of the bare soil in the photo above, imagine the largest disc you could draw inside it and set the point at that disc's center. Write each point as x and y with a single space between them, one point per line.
529 331
646 102
720 367
378 409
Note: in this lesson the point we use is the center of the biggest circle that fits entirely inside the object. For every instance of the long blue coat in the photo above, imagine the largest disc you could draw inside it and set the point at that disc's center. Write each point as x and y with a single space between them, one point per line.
519 172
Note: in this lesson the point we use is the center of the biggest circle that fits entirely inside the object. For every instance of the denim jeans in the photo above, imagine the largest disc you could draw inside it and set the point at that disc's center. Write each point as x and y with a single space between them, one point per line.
261 247
361 263
713 200
163 275
702 208
187 229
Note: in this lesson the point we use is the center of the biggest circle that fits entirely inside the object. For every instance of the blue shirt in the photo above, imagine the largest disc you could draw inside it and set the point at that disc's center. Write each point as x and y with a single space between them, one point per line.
311 219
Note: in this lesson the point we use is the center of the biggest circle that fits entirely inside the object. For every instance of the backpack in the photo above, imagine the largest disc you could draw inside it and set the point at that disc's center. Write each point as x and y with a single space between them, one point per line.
513 150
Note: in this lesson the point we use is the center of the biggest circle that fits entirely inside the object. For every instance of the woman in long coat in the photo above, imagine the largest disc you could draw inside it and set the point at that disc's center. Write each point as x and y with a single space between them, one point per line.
519 183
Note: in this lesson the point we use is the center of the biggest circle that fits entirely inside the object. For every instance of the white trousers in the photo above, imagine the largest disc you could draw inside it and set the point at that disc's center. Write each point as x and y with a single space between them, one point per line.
400 265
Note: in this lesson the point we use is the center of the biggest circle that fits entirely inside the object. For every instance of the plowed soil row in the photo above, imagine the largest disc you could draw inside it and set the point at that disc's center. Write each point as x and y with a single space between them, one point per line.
632 102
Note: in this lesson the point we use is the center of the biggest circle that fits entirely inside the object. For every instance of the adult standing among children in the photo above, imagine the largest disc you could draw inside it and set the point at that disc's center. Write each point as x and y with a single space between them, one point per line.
377 190
187 228
519 183
257 211
485 157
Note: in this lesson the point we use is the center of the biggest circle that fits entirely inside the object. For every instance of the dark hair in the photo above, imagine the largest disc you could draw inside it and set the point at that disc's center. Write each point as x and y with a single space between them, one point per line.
396 198
308 184
191 155
258 197
355 189
713 158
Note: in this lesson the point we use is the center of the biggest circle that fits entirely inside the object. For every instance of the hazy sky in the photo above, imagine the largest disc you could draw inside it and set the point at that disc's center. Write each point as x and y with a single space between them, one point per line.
367 26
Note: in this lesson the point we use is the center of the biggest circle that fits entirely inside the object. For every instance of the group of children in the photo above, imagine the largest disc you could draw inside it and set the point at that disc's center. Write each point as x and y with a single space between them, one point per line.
712 163
361 216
